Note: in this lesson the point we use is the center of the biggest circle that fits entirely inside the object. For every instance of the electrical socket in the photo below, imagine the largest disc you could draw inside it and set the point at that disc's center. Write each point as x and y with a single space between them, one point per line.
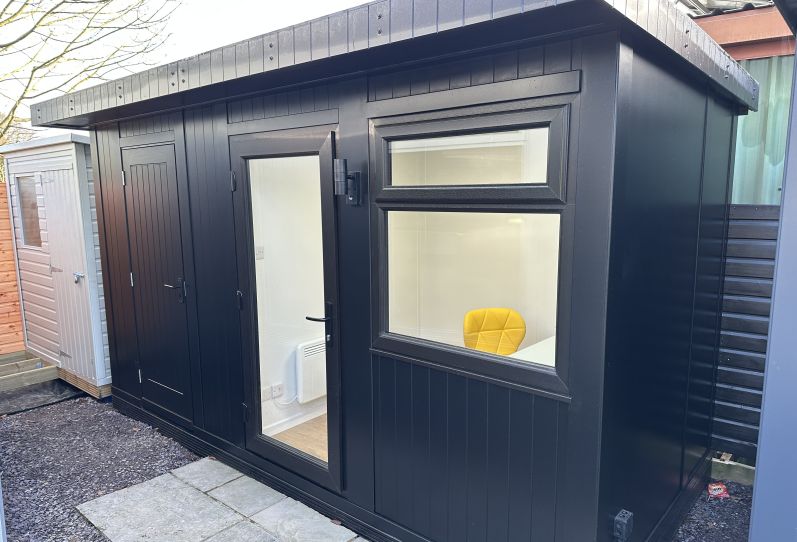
265 393
277 390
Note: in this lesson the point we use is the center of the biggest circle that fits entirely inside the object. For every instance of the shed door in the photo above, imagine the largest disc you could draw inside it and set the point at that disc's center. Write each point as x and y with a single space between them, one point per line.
158 278
68 268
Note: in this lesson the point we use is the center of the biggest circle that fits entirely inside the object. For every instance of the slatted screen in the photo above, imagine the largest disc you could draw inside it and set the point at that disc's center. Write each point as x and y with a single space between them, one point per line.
749 269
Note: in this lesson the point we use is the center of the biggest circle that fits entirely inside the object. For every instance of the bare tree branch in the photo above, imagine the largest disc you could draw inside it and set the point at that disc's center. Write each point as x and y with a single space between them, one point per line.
49 47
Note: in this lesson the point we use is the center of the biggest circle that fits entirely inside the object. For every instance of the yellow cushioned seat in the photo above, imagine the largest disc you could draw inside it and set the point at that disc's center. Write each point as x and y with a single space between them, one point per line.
495 330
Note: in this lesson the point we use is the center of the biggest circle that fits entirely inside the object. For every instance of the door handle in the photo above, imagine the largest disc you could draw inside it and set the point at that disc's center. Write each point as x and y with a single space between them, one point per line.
316 319
181 287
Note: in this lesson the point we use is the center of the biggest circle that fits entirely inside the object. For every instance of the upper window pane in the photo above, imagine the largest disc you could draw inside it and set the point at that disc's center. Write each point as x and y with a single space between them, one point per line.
508 157
29 209
480 281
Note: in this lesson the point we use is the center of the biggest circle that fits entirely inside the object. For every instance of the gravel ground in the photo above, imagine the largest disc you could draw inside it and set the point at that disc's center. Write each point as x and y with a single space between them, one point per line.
719 520
56 457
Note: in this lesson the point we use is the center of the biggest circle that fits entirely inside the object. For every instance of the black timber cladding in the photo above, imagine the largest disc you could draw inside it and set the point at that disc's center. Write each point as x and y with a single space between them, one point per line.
752 239
379 23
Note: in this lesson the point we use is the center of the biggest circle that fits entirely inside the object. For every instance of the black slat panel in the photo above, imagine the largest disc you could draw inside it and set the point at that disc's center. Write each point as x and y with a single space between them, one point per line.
755 212
505 66
745 323
432 426
737 413
741 396
741 286
213 222
740 377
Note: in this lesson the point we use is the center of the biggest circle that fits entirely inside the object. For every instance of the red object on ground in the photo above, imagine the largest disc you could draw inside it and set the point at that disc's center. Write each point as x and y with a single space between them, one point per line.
717 490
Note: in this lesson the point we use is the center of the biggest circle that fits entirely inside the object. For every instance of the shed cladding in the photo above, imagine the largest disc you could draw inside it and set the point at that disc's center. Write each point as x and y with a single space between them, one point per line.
376 24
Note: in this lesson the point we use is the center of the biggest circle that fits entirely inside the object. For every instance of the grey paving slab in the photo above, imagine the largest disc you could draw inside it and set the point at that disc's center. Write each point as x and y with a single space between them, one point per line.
246 495
206 474
245 531
164 508
291 521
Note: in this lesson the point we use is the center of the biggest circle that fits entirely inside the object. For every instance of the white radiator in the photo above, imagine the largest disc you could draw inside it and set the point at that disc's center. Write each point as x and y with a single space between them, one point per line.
311 370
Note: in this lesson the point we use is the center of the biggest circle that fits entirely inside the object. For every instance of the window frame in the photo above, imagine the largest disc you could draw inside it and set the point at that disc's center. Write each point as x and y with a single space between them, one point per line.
36 178
507 198
555 118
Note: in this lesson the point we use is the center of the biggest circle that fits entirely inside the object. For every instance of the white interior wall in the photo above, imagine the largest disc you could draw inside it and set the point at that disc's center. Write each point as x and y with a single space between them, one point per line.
441 265
286 209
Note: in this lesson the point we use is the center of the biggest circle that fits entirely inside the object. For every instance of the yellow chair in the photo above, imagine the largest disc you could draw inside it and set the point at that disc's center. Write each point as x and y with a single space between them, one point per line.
494 330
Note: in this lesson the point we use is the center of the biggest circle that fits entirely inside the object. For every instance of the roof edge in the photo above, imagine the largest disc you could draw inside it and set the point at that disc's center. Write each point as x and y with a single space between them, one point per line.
378 23
59 139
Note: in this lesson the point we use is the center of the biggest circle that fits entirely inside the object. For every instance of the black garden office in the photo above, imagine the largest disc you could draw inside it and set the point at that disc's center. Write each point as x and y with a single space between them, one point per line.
444 270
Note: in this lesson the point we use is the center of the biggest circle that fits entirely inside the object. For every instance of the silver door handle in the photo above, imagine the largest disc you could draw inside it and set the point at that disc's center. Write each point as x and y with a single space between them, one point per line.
78 275
173 287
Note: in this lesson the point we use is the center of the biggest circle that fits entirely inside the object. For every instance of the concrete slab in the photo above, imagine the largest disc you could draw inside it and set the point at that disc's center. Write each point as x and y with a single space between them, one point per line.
246 495
206 474
245 531
291 521
164 508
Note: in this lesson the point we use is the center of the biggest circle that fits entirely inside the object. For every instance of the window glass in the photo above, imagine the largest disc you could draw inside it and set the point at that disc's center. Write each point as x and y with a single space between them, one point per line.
480 281
289 277
510 157
761 135
29 209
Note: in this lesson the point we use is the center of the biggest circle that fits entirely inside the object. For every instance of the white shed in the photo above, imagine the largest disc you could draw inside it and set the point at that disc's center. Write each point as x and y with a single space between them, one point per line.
52 202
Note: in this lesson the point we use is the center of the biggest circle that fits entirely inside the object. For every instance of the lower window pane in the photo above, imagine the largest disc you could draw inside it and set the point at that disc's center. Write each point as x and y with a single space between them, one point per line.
480 281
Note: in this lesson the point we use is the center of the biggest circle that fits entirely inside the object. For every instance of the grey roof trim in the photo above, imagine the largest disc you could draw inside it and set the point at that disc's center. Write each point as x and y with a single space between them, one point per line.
379 23
60 139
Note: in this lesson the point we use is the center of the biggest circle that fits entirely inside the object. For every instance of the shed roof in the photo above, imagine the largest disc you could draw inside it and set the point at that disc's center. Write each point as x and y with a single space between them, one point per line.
59 139
375 25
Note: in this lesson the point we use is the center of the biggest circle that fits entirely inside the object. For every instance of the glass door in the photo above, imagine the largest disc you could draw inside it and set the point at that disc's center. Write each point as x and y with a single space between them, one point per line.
288 277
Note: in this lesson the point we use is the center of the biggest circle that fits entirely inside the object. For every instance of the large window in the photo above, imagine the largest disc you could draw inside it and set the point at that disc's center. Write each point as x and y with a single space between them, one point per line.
29 211
470 221
483 281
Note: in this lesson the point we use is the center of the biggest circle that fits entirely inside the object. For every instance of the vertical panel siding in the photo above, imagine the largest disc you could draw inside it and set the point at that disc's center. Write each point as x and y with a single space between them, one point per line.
280 104
11 337
752 237
504 66
95 236
212 225
461 459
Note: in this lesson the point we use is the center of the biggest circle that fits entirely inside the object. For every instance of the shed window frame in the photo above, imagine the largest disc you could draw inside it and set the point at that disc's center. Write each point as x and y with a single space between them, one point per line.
489 198
36 178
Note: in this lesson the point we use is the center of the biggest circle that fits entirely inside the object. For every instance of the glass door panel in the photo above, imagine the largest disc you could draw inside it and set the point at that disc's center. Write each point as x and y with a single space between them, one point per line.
288 251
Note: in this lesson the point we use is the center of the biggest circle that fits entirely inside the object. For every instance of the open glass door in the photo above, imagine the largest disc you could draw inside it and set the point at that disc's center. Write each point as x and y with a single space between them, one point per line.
288 290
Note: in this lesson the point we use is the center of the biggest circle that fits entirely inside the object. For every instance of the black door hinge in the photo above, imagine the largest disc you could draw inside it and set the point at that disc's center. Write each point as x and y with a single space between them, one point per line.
233 182
239 295
245 412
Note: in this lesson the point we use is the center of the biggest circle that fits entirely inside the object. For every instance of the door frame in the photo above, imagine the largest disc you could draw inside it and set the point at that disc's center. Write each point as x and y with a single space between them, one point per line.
318 140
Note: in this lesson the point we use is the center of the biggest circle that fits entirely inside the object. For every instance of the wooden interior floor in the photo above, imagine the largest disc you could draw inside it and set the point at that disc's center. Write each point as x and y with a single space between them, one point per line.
309 437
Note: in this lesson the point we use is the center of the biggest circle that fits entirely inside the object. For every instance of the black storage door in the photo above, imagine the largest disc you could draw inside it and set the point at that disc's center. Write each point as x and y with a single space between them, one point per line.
158 277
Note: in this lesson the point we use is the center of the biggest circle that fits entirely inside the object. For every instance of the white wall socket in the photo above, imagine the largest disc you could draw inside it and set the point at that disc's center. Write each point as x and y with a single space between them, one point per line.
277 390
265 393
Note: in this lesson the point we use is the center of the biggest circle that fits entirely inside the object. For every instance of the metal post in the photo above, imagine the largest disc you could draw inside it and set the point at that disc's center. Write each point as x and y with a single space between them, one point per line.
774 517
2 515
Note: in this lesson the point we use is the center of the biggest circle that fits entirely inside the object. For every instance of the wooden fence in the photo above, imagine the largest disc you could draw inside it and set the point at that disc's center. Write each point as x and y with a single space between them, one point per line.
11 338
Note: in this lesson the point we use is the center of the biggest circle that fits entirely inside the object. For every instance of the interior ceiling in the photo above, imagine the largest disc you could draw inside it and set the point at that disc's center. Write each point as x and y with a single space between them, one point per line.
707 7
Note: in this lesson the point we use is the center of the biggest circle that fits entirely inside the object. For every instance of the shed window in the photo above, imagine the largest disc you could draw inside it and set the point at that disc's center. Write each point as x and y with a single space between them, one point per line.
479 281
471 220
29 211
510 157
